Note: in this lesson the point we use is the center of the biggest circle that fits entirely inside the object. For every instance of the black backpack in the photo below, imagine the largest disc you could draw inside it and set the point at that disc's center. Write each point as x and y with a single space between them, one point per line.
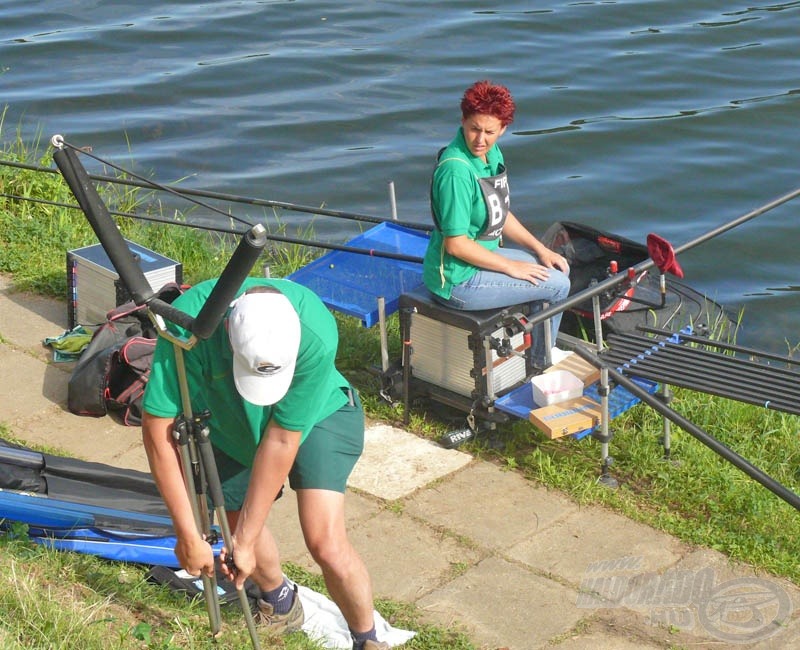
113 370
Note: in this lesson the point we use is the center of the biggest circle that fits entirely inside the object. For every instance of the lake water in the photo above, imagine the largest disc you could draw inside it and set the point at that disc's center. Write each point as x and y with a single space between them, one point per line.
633 116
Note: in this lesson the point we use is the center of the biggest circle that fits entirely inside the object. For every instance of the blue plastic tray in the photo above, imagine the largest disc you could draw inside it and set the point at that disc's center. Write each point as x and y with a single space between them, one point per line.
351 283
519 402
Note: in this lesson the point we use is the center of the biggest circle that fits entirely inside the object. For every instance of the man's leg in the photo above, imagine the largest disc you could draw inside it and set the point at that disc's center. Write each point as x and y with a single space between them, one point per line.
321 515
319 477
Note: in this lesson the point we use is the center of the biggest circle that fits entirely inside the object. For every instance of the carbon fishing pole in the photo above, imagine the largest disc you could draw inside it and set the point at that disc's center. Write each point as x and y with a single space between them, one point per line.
721 345
647 264
144 183
233 231
708 372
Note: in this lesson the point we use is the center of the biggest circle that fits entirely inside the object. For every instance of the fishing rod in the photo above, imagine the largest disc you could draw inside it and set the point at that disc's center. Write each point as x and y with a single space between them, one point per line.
231 231
674 364
138 181
623 276
721 345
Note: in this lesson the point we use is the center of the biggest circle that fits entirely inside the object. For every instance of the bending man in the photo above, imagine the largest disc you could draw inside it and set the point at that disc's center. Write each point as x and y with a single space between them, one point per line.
279 409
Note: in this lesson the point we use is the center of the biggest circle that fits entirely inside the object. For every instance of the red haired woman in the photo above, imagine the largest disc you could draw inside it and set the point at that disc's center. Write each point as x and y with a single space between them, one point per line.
466 266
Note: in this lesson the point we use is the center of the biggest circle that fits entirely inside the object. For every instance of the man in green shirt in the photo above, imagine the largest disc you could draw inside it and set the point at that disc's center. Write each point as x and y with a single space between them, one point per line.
279 409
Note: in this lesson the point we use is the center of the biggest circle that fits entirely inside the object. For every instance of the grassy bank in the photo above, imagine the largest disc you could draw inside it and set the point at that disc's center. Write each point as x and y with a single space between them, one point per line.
699 498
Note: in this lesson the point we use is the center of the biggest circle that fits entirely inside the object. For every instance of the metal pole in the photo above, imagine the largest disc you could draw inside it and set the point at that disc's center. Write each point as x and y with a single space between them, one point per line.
383 334
192 476
392 201
644 265
604 390
712 443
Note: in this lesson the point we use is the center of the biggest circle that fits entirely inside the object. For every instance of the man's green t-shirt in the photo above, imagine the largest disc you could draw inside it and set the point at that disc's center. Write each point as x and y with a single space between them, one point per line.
460 209
237 425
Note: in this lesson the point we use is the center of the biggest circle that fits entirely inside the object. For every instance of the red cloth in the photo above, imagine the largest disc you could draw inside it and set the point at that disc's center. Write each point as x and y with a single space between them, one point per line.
662 253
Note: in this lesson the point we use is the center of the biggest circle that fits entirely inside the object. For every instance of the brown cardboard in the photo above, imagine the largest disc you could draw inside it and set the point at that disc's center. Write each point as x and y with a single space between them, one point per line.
567 417
582 369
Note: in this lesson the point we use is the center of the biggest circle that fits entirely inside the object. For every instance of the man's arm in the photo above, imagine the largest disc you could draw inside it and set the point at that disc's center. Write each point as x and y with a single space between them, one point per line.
273 461
194 554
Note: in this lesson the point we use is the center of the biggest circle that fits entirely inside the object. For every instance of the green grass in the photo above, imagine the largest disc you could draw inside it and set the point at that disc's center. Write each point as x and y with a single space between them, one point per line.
699 497
57 600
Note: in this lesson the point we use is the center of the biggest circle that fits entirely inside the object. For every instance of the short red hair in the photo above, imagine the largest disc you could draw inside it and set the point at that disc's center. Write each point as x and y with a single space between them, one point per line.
486 98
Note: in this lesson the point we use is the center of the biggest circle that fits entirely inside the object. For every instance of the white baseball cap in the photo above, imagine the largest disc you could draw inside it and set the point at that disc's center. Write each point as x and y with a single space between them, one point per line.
264 331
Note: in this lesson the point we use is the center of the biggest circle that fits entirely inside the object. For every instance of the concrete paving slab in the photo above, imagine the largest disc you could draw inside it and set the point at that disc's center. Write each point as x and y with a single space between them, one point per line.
494 508
504 606
592 547
785 638
406 558
26 319
395 463
22 390
622 629
731 601
612 642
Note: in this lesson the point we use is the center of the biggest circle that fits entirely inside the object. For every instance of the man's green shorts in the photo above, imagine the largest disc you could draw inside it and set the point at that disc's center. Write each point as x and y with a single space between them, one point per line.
324 460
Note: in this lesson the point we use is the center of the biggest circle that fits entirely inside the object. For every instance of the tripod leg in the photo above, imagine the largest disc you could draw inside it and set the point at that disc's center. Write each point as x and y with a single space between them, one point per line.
197 498
215 492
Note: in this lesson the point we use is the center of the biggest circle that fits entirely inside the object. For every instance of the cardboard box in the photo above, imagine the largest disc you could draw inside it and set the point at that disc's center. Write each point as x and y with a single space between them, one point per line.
565 418
582 369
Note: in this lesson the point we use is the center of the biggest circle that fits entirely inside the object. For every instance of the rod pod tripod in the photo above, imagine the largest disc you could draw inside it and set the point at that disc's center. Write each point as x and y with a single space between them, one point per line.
191 434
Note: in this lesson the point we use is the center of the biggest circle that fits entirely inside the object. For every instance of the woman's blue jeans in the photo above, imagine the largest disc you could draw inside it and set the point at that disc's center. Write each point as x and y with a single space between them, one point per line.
493 290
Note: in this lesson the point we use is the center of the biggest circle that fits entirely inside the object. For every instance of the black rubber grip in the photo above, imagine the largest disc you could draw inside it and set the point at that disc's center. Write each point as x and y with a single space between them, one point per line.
103 225
235 272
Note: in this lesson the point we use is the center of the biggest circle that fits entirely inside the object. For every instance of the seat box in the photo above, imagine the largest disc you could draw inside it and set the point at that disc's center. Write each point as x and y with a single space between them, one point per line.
457 350
94 287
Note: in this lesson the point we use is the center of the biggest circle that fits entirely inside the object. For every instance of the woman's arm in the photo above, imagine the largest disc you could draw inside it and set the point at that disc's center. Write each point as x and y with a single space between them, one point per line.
519 234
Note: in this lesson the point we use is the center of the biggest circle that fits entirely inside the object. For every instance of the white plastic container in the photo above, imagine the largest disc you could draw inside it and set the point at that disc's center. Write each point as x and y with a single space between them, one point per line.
556 386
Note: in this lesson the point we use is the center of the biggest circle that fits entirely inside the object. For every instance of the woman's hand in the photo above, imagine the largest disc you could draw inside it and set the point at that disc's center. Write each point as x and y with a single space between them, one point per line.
553 260
195 555
529 271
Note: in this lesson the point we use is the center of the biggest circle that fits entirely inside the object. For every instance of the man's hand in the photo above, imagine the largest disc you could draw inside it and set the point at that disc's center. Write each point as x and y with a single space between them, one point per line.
195 555
239 569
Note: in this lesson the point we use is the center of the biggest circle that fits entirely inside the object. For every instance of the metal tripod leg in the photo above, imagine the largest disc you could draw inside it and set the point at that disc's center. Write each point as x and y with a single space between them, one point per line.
192 476
199 470
604 390
218 502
